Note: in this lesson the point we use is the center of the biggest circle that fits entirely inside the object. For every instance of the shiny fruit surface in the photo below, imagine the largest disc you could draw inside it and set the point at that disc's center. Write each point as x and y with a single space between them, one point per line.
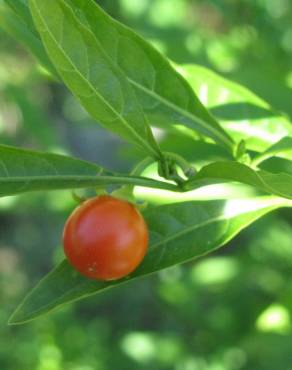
105 238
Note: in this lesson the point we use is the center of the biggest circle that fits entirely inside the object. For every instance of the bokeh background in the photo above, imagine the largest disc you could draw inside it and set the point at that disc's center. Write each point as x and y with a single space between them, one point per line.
228 311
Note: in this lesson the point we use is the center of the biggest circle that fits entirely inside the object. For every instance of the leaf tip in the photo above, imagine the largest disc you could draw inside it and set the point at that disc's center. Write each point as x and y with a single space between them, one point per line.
16 319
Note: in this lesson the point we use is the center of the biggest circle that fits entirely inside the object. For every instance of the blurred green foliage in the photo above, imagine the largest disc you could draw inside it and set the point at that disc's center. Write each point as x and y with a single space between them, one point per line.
229 311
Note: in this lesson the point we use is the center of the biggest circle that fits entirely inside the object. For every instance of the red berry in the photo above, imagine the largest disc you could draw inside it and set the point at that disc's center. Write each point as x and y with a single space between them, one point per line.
105 238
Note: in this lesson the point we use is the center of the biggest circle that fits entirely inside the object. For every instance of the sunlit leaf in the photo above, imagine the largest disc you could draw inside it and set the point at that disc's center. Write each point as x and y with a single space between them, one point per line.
220 172
243 114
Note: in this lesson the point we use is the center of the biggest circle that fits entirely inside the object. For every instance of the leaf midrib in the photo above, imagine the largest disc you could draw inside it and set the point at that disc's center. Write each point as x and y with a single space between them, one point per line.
139 181
181 111
166 102
121 118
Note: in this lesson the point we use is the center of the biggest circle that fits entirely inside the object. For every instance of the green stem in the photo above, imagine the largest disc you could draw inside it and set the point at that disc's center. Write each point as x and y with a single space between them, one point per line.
127 191
187 169
145 182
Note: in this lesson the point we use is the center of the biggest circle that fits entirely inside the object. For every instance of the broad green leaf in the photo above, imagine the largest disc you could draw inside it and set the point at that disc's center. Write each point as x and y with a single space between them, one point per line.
18 23
282 148
21 9
170 103
88 72
220 172
164 95
178 233
241 113
24 170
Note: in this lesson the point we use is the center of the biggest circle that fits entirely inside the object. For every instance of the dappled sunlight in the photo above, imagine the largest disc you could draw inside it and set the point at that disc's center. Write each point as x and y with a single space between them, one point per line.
50 358
144 347
139 346
275 318
215 271
215 308
134 8
247 129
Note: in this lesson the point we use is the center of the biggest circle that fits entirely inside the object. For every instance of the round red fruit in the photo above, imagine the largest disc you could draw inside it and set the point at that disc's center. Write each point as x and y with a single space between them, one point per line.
105 238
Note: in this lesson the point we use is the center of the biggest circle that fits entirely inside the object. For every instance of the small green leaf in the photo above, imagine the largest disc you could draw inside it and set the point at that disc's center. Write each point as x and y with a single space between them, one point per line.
220 172
178 232
242 114
91 76
24 170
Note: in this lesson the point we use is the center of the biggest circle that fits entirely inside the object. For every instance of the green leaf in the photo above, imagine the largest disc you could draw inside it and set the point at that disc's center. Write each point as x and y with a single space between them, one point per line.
282 148
220 172
178 232
92 77
17 22
242 114
169 102
164 95
20 8
24 170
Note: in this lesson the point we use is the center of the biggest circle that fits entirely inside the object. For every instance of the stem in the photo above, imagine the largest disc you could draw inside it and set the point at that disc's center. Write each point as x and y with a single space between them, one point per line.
140 167
143 181
187 169
127 191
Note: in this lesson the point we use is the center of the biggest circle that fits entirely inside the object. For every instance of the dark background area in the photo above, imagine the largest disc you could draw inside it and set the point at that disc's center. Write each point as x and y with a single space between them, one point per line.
228 311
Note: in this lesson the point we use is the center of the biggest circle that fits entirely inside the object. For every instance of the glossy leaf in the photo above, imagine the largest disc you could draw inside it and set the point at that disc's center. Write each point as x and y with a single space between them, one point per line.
219 172
92 77
164 95
243 114
24 170
178 232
